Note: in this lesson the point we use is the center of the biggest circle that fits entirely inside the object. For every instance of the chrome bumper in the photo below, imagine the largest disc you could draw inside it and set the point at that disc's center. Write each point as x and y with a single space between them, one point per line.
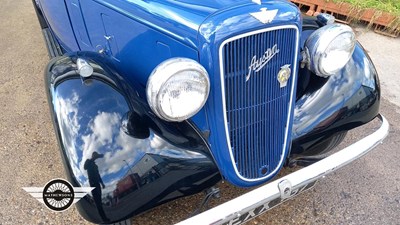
260 200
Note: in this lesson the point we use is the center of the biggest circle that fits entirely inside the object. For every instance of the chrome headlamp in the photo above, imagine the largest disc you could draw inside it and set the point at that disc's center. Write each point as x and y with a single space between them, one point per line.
177 89
329 49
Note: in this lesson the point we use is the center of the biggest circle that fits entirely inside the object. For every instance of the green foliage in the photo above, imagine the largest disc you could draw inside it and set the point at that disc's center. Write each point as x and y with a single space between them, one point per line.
391 6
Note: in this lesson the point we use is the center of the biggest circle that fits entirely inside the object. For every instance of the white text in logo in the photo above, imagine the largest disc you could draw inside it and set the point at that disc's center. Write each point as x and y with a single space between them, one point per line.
257 64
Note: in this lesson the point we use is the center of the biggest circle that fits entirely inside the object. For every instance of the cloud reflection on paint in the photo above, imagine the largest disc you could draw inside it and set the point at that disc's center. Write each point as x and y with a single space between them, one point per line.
68 119
85 130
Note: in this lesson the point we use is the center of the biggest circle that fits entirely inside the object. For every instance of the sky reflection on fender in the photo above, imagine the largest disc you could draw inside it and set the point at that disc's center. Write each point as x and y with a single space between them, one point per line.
91 122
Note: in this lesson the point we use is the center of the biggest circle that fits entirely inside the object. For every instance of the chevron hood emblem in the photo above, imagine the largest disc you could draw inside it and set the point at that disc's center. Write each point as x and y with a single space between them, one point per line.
265 16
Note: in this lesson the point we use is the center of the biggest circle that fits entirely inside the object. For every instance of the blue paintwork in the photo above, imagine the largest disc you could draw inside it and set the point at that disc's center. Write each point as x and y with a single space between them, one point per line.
131 41
213 32
78 25
164 29
144 31
258 107
136 35
57 17
102 114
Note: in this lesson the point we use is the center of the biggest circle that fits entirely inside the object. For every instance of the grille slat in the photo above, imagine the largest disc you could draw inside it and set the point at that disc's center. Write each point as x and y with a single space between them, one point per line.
257 111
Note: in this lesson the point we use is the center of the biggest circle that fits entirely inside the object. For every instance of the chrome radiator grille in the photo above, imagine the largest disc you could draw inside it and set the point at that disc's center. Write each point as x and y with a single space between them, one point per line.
257 108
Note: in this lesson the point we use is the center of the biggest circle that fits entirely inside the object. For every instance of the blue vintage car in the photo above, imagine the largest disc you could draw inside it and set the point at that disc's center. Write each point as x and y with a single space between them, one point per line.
153 100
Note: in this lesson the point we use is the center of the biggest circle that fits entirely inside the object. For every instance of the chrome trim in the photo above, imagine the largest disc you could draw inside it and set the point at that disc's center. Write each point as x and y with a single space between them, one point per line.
230 211
84 68
290 103
317 44
326 18
258 64
160 76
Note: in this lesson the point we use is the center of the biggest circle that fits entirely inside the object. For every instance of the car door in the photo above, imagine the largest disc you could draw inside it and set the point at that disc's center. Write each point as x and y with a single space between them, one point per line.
56 15
78 25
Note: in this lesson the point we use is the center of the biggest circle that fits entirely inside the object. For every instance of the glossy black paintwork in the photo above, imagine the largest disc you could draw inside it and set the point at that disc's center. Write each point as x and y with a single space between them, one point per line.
142 161
329 106
110 115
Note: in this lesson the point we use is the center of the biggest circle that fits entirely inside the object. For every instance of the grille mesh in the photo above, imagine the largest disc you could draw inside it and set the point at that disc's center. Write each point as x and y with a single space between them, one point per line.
257 111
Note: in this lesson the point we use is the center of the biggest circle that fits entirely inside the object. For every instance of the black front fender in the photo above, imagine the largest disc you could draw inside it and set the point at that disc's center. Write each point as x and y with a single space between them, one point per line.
107 134
331 106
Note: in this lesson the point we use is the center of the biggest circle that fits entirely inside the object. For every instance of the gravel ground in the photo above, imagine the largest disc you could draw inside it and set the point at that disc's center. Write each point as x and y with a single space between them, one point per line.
365 192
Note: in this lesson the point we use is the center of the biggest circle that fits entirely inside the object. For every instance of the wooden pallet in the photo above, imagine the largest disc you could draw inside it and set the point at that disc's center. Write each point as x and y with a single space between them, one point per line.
383 23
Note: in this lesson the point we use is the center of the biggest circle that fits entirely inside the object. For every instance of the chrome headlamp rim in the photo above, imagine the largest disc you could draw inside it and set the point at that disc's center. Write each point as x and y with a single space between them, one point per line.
317 44
162 74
